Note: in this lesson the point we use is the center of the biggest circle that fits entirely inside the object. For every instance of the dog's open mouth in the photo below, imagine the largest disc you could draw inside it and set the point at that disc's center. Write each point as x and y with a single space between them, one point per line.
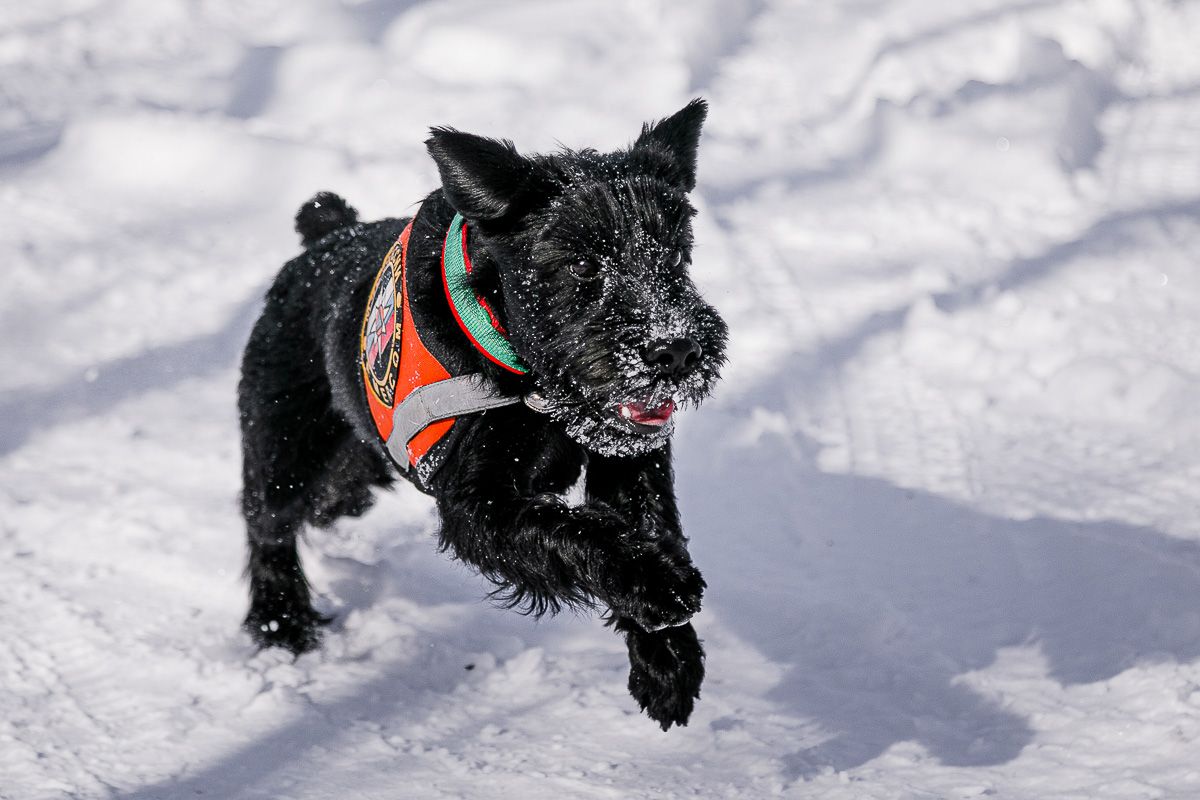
646 419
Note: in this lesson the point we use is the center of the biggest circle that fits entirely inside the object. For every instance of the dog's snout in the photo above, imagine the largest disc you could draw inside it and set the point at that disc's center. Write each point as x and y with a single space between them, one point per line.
674 356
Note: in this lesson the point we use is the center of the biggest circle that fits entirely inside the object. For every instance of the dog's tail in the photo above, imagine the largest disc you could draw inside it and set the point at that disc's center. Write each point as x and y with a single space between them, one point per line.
323 214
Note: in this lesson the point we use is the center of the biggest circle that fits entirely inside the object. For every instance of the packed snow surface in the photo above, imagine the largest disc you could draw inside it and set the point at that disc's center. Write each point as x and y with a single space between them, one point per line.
947 497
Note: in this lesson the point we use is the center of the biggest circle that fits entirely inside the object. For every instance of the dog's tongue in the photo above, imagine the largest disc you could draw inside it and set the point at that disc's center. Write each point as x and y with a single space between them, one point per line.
639 413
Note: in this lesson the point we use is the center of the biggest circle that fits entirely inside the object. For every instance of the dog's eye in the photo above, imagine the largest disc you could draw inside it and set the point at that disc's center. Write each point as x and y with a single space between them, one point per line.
585 270
674 258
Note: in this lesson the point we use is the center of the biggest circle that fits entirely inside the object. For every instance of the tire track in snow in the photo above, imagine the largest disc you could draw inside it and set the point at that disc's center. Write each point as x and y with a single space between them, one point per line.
1154 156
893 47
52 708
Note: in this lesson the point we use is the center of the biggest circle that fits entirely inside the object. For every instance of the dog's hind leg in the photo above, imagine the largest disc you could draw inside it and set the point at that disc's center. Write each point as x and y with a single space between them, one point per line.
277 502
345 489
290 436
281 611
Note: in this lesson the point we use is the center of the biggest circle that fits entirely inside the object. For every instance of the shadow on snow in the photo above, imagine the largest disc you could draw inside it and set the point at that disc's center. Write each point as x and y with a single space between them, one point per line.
23 412
874 598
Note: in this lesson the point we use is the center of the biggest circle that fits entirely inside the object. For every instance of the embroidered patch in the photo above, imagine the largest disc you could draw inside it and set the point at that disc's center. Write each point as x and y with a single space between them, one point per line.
380 353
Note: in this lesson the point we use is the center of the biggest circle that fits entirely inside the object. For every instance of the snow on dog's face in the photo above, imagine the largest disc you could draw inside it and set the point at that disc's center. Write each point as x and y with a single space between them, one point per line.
617 333
590 254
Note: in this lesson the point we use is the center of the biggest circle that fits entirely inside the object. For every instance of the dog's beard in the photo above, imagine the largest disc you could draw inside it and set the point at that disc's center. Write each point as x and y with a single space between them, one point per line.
604 431
593 416
607 434
602 389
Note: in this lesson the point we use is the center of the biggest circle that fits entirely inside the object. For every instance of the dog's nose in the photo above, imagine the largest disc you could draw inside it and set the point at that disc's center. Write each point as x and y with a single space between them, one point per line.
674 356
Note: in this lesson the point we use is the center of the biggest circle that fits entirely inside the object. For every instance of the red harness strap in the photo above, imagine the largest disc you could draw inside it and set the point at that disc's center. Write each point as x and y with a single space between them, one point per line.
394 361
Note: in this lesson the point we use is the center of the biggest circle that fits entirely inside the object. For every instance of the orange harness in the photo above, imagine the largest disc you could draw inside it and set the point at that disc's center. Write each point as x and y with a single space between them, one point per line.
413 398
393 366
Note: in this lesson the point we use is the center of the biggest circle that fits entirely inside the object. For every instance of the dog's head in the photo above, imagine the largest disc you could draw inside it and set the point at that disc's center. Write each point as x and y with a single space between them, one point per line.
587 256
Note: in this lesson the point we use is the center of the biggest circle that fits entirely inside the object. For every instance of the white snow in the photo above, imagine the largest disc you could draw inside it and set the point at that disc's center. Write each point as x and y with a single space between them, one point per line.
947 499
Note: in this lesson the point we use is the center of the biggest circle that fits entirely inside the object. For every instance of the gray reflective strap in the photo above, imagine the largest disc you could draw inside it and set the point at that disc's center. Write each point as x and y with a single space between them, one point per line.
453 397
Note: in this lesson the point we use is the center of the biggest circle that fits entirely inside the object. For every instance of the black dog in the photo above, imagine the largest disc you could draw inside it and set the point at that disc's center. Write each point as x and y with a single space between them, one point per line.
560 281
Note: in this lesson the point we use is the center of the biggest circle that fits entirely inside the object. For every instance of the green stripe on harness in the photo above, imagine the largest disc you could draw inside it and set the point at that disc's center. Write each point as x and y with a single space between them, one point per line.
469 309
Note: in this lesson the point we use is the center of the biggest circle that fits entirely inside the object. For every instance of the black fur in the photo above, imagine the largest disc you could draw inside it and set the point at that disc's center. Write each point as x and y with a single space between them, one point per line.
584 255
323 214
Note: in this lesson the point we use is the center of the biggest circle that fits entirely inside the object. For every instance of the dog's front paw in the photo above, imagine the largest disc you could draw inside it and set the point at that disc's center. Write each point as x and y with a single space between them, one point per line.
657 590
666 669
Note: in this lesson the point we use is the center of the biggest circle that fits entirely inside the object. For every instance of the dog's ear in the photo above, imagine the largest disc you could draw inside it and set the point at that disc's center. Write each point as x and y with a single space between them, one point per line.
678 136
482 178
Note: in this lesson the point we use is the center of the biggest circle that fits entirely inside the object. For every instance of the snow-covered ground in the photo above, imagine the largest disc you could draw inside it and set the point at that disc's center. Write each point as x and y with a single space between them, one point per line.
947 499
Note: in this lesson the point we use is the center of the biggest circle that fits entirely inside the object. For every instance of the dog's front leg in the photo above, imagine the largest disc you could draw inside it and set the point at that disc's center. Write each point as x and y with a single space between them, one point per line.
499 515
540 553
643 489
623 548
666 666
